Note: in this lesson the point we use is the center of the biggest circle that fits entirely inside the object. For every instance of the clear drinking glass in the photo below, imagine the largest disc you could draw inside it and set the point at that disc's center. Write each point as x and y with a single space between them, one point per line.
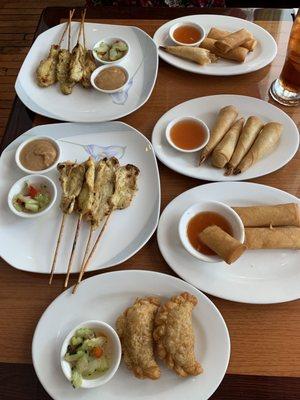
286 89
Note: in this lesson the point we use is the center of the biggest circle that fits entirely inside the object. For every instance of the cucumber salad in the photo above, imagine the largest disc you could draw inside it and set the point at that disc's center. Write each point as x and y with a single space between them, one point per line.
32 198
112 52
87 354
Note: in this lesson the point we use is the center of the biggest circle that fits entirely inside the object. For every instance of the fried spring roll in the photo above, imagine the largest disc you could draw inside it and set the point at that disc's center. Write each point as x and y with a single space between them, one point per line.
273 215
226 246
199 56
287 237
223 151
247 137
218 34
264 144
226 117
233 40
239 54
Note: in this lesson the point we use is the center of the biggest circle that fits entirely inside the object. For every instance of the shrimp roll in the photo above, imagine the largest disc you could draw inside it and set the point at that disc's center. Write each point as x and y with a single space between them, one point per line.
219 34
239 54
265 143
233 40
199 56
247 137
226 117
287 237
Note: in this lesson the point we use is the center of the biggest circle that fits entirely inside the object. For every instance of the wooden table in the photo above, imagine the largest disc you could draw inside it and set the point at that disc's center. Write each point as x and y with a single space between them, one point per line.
265 338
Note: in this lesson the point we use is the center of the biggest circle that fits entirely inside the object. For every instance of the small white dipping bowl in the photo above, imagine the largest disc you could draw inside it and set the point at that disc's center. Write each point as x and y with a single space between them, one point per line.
22 145
187 23
115 354
179 119
110 41
35 180
103 67
213 206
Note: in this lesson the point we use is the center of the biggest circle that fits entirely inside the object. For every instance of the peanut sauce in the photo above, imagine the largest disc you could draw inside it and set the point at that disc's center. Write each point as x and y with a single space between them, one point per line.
187 134
201 221
38 155
187 34
111 78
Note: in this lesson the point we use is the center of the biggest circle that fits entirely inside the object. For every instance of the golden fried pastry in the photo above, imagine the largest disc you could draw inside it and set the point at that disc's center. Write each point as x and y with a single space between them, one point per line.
135 328
174 335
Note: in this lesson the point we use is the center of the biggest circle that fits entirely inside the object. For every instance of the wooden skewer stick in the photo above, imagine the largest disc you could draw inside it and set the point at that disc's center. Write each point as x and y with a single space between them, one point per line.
63 34
73 250
71 13
81 25
87 247
57 247
86 263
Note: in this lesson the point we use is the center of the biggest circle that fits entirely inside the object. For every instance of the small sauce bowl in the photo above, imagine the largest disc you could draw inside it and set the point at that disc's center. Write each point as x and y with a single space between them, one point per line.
194 119
34 180
102 68
22 145
110 41
190 24
115 354
213 206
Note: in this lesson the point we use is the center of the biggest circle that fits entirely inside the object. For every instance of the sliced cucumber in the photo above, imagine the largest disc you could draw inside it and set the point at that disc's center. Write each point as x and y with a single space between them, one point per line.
74 357
85 333
76 379
32 207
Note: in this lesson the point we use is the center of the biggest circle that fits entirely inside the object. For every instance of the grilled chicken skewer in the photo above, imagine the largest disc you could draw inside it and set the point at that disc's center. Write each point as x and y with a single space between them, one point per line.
77 56
71 178
62 68
46 71
125 187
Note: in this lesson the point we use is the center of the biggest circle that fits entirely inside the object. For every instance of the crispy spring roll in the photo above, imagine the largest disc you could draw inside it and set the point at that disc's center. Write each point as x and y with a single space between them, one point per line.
238 54
226 246
274 215
287 237
233 40
223 151
218 34
264 144
199 56
247 137
226 117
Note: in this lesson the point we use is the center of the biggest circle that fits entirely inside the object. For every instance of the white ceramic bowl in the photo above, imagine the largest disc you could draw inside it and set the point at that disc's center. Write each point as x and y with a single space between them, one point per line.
98 70
110 41
199 121
115 357
187 23
34 180
22 145
214 206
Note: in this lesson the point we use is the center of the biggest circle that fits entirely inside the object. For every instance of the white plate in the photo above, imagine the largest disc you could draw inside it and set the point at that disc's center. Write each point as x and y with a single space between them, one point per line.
127 231
263 54
105 297
206 108
259 276
89 105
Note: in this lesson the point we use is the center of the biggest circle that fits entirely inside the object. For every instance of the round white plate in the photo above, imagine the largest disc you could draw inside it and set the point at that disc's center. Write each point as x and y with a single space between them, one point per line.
259 276
128 230
89 105
263 54
105 297
207 109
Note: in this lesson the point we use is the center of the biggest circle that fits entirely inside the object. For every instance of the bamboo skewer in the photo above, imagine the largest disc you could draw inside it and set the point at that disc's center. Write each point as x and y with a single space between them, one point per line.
86 263
64 32
73 250
87 247
71 13
57 247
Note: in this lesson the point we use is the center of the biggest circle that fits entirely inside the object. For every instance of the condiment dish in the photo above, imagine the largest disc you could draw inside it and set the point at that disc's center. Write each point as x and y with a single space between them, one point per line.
213 206
191 24
31 139
116 353
110 41
179 119
34 180
102 68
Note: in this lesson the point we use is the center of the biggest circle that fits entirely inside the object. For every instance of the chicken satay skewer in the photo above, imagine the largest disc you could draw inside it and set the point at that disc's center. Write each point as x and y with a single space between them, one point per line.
84 204
66 171
125 189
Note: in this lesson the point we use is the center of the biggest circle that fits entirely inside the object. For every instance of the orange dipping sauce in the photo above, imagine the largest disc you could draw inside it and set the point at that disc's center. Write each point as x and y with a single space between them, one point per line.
188 134
201 221
187 34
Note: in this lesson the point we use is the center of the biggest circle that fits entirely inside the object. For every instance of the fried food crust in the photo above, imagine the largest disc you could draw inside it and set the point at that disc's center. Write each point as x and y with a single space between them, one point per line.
174 336
135 328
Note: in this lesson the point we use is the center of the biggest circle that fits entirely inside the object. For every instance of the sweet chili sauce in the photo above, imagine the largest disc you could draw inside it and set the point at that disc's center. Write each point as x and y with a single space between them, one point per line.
186 34
187 134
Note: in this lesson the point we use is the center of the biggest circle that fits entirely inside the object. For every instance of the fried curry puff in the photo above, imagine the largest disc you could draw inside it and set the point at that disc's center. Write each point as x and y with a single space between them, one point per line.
135 329
174 335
